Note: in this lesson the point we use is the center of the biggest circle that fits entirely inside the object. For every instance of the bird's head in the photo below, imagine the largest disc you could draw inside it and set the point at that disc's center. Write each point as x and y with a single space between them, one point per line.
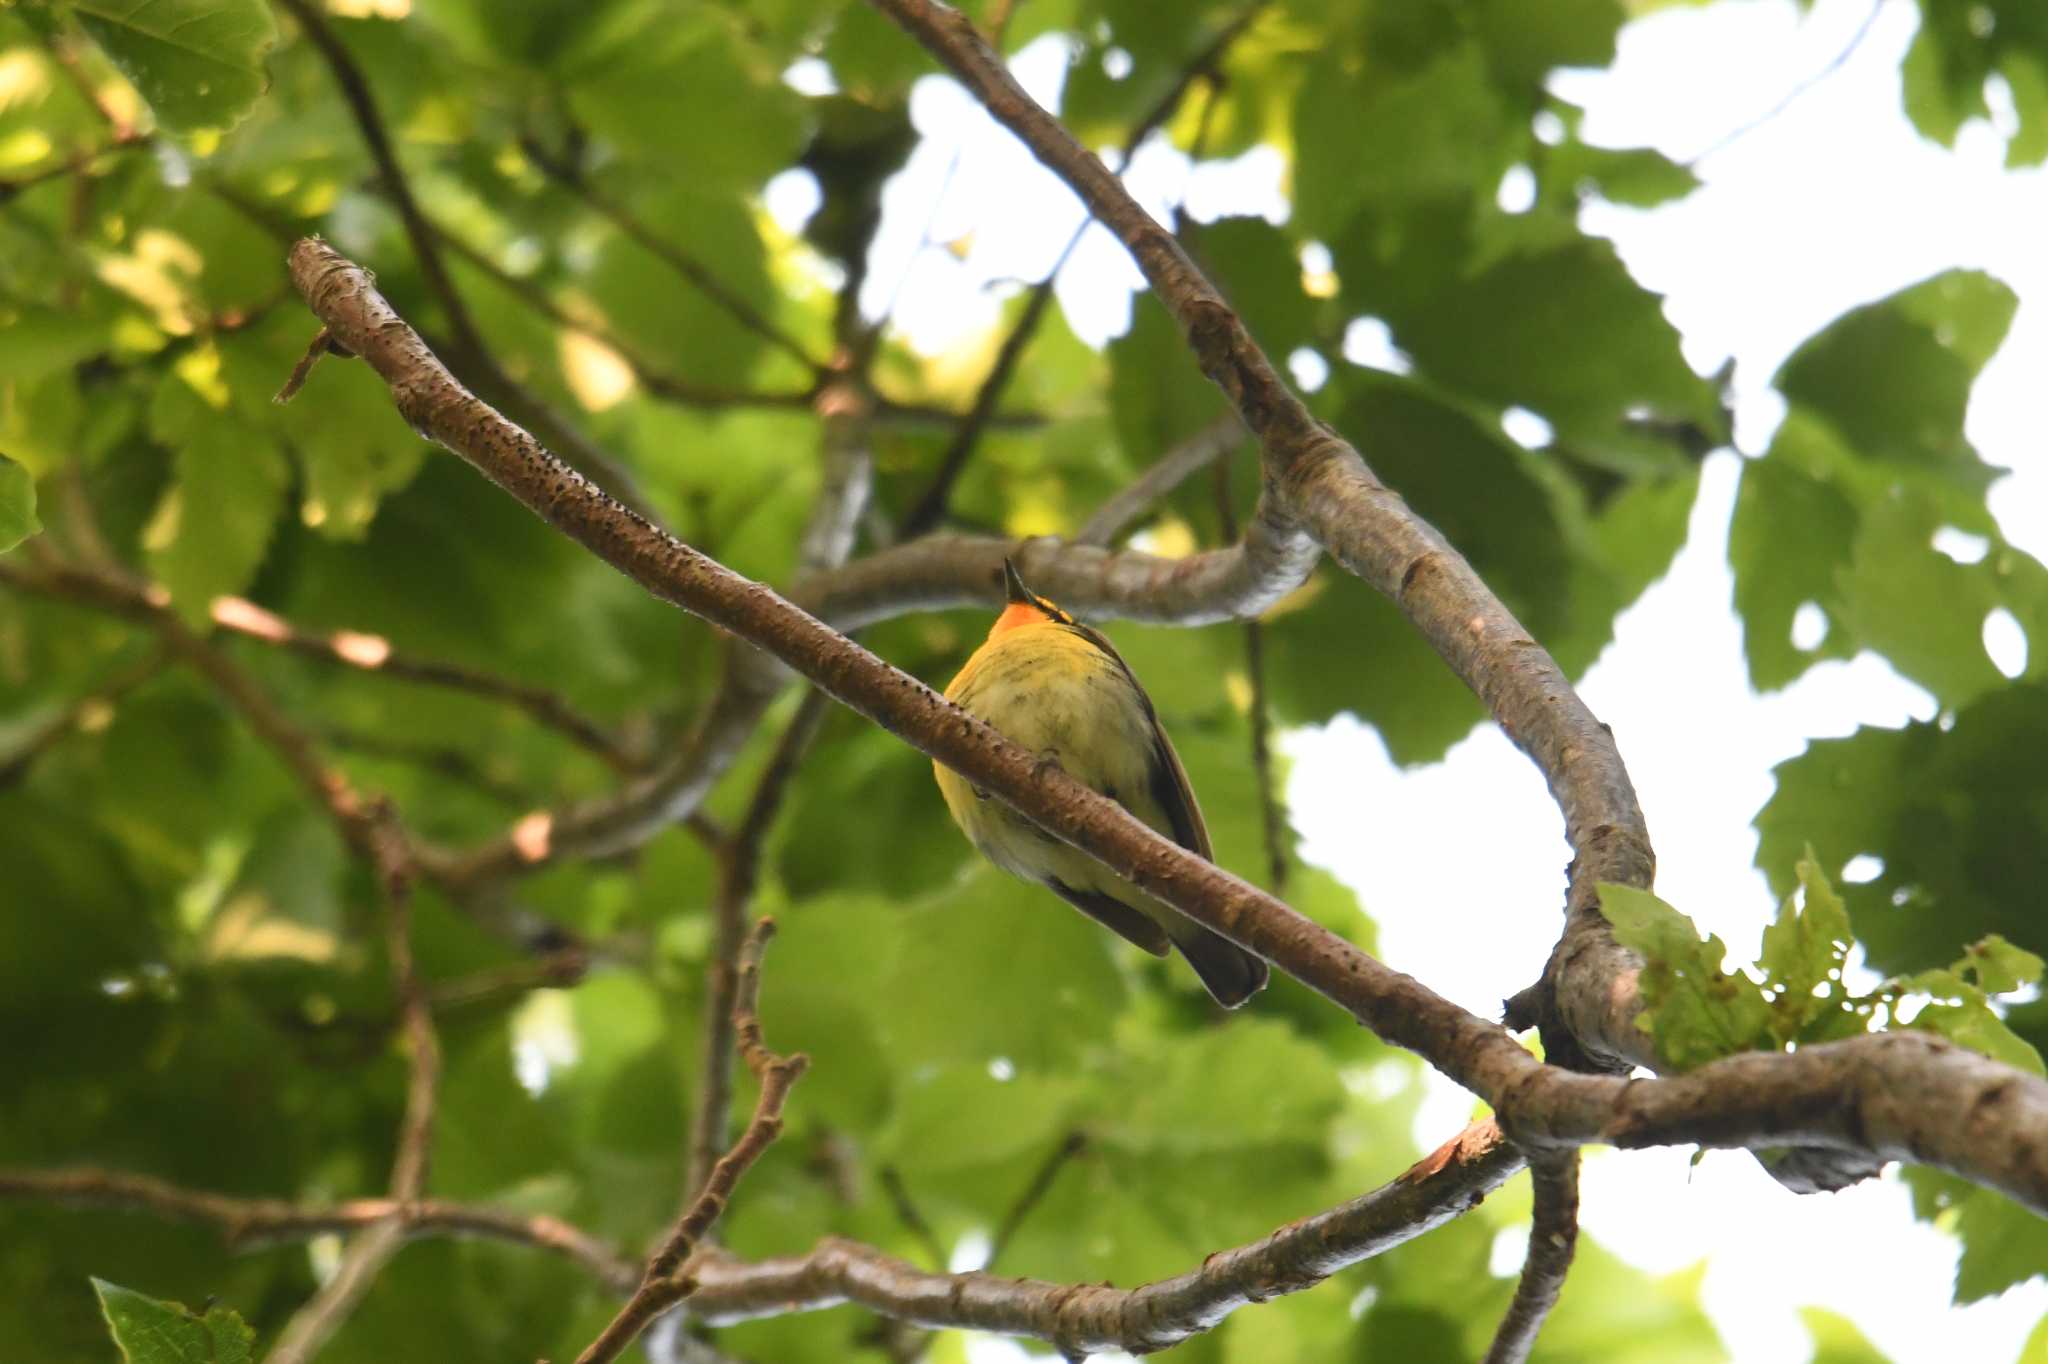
1025 606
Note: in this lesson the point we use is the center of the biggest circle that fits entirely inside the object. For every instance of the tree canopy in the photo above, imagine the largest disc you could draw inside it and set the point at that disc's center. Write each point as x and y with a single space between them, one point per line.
385 857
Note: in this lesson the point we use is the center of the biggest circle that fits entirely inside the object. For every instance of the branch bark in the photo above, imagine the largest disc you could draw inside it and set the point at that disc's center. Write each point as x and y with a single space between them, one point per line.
1369 530
1083 1318
668 1280
470 348
1839 1092
251 1223
1553 1238
930 507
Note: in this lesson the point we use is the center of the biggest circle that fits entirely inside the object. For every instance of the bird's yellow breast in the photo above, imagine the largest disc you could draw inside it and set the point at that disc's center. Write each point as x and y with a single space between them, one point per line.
1049 689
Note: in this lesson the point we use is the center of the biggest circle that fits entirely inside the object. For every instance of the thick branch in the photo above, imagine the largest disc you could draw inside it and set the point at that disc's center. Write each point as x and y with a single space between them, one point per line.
1372 533
1553 1237
473 352
1081 1318
930 507
1540 1103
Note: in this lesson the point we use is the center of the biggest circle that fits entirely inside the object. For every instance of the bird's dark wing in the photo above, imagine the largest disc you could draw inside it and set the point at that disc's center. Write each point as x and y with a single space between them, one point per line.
1168 780
1114 915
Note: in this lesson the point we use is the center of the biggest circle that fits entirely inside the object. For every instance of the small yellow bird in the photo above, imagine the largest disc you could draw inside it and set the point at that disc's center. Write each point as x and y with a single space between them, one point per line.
1056 687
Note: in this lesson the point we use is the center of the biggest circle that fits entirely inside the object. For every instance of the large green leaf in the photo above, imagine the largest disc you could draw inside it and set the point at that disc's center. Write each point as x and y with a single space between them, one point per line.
199 63
150 1331
17 504
1952 811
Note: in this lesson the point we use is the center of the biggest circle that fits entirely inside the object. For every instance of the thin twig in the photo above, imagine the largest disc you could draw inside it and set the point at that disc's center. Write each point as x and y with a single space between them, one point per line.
701 276
1792 96
373 654
845 410
739 864
658 381
1553 1237
930 507
474 353
372 1248
1040 1184
666 1281
1896 1095
322 1315
70 165
1272 809
88 711
909 1214
1162 476
442 760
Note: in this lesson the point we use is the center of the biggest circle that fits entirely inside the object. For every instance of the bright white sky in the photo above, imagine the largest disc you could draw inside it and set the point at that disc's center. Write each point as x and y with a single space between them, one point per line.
1833 202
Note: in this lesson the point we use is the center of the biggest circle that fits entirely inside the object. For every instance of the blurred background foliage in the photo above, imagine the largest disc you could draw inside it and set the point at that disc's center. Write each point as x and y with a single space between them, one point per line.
192 985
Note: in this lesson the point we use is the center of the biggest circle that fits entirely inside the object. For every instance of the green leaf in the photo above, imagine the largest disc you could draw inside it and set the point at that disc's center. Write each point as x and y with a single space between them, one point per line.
150 1331
1956 812
1893 377
1791 533
212 527
199 63
1697 1012
1999 967
17 504
965 1117
1386 138
1962 1010
1836 1339
1802 956
2003 1243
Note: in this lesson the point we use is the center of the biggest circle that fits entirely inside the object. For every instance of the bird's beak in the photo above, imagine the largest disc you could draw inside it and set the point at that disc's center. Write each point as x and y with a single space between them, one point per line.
1020 595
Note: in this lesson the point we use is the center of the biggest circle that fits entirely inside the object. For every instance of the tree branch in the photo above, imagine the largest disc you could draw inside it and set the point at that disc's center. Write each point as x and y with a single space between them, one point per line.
1166 473
1071 1145
930 507
92 709
1553 1237
373 654
473 353
845 408
907 1213
1272 809
700 276
1322 480
1082 1318
668 1280
1539 1103
250 1223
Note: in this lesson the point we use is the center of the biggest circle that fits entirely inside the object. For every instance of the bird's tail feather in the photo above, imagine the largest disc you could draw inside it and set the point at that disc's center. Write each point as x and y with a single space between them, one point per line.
1231 974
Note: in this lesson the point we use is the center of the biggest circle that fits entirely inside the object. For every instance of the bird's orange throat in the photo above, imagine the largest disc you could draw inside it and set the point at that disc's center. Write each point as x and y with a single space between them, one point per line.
1015 615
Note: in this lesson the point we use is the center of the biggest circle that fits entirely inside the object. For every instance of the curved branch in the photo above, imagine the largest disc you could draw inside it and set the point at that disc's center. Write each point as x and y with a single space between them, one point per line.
374 654
1553 1238
250 1223
1326 484
469 346
1846 1092
1166 473
1082 1318
930 507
